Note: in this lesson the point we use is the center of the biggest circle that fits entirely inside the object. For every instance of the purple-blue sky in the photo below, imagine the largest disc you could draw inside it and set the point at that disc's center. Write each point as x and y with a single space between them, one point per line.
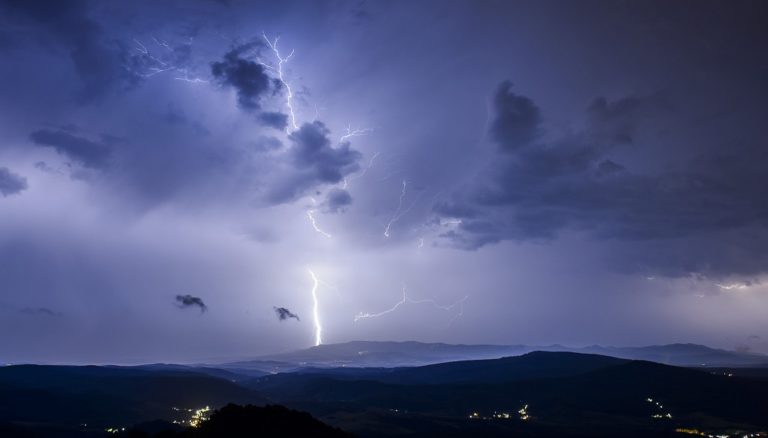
528 172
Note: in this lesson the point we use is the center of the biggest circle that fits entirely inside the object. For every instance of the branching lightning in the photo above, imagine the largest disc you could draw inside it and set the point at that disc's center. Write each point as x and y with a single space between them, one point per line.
354 133
399 211
407 300
278 70
396 216
316 310
156 65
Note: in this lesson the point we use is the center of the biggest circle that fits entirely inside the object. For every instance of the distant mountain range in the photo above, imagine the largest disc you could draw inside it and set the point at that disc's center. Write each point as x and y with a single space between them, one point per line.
561 393
408 354
534 394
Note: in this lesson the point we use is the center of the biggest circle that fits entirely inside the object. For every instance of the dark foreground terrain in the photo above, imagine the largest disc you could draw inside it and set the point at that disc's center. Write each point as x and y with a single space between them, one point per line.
535 394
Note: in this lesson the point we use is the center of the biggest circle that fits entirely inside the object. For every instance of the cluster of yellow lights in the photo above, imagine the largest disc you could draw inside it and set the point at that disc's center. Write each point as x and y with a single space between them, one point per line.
198 416
502 415
114 429
659 406
524 413
708 435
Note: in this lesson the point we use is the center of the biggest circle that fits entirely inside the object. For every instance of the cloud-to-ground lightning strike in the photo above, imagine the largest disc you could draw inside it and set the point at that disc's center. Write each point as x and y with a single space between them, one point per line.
279 71
311 216
408 300
316 310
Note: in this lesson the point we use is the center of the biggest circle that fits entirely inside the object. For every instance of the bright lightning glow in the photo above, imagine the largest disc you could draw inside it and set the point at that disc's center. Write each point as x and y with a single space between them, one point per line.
315 310
733 286
311 216
407 300
279 71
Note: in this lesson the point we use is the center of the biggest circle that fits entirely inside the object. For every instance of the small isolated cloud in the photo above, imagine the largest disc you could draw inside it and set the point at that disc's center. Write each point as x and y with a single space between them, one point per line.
186 301
283 314
40 311
10 183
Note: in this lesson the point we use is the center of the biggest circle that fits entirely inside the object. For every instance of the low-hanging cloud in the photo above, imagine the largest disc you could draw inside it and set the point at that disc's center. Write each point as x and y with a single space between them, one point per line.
187 301
283 314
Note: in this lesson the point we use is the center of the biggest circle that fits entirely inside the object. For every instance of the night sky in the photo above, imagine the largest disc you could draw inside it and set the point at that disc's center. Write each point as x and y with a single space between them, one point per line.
511 172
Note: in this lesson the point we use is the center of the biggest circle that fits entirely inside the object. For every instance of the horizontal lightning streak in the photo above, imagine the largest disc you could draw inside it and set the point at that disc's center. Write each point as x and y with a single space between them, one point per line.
408 300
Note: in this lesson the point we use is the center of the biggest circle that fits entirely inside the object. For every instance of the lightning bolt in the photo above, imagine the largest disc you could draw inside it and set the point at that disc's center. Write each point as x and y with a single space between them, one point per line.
361 174
396 216
158 65
311 216
316 310
400 212
354 133
278 70
407 300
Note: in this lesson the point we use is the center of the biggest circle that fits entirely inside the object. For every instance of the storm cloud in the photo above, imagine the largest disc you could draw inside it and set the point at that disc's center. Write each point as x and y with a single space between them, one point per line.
556 154
89 153
249 78
97 60
536 190
11 183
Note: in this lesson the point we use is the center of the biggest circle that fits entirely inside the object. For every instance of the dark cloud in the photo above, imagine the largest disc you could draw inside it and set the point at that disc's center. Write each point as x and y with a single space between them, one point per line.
535 191
312 151
315 161
283 314
274 119
517 119
249 78
11 183
98 61
40 311
186 301
336 200
89 153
